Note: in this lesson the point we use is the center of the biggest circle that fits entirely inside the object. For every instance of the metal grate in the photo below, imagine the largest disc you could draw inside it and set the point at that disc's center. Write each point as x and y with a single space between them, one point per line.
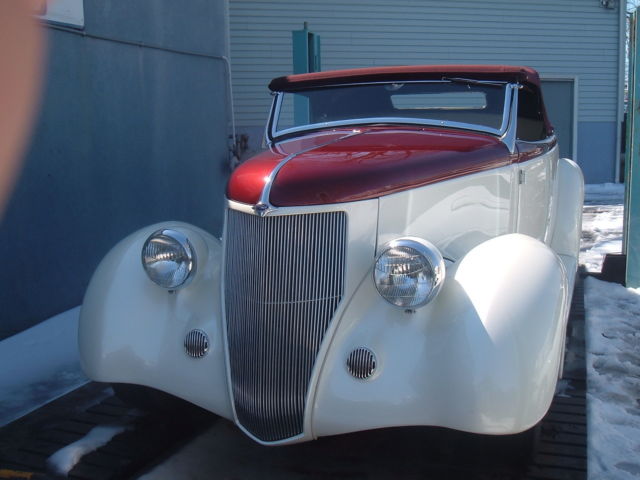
196 343
361 363
284 279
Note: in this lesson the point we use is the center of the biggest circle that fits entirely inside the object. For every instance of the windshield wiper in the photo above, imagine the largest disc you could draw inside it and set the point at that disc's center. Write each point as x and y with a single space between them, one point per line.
473 81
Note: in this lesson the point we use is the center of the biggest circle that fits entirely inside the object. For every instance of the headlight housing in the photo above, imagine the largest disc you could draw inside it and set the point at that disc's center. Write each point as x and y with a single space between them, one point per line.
168 258
409 272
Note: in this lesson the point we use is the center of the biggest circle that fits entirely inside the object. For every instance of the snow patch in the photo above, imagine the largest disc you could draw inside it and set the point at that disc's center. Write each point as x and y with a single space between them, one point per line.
563 387
39 365
613 378
612 339
66 458
602 220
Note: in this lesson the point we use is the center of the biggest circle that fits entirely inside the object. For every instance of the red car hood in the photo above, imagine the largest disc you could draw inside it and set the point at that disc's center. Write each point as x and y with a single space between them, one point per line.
348 165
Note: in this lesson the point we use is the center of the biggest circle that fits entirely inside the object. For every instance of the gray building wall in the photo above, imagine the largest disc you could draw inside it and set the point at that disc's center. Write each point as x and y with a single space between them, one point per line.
560 38
133 130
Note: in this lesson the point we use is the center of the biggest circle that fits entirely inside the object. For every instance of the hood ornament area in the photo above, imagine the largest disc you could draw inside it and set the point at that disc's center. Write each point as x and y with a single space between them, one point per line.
262 208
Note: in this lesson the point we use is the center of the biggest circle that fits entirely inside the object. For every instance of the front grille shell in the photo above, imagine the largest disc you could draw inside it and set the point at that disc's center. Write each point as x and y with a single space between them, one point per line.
284 279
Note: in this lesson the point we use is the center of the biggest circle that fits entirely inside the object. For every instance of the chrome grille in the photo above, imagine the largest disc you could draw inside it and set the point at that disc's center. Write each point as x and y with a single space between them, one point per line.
284 278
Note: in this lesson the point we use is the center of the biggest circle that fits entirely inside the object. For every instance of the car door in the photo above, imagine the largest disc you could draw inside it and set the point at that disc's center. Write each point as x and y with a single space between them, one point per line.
533 175
537 151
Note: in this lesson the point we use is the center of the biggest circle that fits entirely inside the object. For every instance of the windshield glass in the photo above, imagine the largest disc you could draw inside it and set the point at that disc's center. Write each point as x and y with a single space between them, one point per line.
454 103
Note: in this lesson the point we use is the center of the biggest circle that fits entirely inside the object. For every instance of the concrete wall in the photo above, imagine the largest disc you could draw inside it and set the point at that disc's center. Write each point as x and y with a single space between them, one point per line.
133 130
560 38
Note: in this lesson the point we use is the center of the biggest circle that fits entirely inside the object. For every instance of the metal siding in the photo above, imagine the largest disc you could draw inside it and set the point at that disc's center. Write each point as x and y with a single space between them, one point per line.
559 99
558 38
598 141
126 136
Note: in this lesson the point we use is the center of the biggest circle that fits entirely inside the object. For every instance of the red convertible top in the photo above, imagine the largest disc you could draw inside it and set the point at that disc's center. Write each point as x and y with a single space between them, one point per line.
507 73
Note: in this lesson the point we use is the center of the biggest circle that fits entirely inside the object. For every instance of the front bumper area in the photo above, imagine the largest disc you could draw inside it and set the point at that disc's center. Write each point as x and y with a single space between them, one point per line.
482 357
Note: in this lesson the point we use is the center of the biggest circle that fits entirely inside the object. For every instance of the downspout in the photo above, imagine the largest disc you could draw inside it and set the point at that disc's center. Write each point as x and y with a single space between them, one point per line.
234 158
234 155
622 27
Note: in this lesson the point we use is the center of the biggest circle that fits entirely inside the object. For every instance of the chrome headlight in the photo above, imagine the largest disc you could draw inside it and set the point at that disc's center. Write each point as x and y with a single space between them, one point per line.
168 258
409 272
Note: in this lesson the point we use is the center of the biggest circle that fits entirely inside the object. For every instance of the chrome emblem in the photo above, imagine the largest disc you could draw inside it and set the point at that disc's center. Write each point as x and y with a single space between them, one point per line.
261 209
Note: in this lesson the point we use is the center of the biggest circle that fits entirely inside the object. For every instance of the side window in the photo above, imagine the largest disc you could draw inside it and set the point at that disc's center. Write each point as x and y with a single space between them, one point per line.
531 126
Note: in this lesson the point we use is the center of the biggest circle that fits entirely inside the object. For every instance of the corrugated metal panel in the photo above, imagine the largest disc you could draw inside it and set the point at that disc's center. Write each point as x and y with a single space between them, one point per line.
557 37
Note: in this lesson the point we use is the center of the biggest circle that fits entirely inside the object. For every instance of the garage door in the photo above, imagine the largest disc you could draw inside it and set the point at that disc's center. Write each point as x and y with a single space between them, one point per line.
559 98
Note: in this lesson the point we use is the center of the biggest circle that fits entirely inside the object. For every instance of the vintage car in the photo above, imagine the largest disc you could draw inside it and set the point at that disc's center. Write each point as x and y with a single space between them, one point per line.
402 253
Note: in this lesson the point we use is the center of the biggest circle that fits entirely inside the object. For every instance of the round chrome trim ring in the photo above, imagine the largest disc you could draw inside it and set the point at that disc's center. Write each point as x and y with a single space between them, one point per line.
184 242
433 256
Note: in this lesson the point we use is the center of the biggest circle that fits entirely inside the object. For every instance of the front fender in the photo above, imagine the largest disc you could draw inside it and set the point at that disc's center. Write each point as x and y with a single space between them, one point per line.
567 218
132 331
482 357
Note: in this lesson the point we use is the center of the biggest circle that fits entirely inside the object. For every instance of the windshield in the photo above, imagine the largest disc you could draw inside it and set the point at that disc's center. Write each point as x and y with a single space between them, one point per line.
457 103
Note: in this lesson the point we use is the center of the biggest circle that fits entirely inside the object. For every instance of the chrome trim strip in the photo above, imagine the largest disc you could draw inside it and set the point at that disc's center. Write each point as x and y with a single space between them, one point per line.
264 206
272 114
506 112
550 139
273 134
510 120
355 122
276 106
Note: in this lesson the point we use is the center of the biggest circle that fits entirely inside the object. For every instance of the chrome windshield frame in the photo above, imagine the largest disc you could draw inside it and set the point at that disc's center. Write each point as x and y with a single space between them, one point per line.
506 131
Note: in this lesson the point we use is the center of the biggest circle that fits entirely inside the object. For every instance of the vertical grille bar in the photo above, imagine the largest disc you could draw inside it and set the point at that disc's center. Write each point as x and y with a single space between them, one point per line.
284 279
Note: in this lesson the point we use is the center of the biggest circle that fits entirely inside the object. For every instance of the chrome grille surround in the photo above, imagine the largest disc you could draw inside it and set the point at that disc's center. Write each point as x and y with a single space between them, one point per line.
284 279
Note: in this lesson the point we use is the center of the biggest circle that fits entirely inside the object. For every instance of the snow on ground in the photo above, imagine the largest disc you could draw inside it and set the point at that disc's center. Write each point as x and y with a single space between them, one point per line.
62 461
39 365
613 378
601 224
612 341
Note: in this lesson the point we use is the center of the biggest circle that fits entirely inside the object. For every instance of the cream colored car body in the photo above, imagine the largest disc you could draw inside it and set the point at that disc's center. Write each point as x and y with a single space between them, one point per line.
484 356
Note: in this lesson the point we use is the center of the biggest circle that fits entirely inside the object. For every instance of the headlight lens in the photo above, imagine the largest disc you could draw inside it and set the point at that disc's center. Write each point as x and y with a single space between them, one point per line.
168 258
409 272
